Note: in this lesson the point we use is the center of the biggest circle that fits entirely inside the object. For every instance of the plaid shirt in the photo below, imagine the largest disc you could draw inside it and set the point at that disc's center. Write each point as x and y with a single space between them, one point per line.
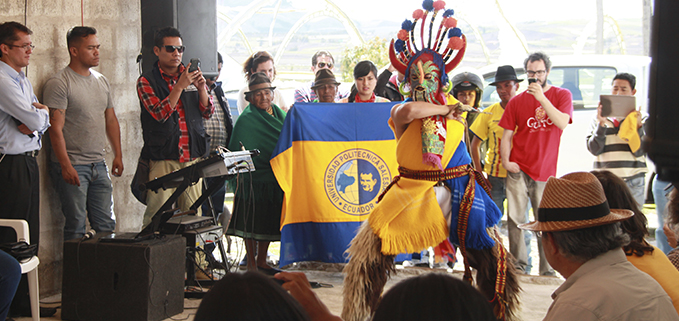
161 110
674 257
215 126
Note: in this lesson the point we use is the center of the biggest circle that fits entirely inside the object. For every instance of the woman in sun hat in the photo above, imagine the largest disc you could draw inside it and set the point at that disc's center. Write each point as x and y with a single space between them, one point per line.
258 198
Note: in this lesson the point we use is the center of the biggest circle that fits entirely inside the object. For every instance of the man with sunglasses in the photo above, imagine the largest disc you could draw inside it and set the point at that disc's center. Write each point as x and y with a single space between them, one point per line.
78 97
320 60
533 122
23 121
174 103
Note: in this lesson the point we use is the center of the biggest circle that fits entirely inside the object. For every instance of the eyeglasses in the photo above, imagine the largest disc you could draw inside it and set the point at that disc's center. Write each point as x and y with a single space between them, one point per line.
324 64
24 47
531 73
171 49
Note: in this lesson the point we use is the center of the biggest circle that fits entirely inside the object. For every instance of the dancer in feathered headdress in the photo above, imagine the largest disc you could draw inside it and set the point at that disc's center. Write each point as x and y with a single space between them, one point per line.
438 198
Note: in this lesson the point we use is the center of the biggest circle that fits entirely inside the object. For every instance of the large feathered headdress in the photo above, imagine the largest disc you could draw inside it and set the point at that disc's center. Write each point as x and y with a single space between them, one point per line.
417 37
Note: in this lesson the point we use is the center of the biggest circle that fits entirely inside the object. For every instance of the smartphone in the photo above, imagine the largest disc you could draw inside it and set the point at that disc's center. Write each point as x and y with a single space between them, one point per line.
532 80
195 64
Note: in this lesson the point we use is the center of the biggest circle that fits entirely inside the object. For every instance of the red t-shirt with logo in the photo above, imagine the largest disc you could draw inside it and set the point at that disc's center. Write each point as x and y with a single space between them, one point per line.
535 146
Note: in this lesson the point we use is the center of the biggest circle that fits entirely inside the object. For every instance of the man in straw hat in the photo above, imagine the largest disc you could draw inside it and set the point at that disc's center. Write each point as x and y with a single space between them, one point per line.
325 86
583 241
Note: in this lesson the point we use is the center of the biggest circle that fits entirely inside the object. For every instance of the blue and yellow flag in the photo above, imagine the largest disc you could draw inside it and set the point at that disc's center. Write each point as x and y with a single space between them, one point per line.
332 161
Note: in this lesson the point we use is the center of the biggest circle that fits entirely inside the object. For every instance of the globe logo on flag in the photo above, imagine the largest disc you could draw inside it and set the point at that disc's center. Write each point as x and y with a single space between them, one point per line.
353 180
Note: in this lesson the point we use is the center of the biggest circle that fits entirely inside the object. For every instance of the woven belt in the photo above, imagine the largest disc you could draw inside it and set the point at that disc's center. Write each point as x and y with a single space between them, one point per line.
438 176
465 203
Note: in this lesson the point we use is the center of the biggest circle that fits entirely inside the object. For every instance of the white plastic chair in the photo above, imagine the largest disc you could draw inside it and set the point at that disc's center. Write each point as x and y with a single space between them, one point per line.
27 266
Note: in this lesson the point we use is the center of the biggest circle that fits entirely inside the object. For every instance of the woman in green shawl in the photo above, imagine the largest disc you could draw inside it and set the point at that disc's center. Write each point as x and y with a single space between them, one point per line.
258 197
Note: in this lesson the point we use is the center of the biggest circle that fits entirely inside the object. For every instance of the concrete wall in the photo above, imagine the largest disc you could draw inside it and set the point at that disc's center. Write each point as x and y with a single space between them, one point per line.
118 24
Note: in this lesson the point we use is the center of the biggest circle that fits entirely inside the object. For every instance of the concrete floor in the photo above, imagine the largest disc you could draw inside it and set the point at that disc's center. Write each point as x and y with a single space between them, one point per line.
535 297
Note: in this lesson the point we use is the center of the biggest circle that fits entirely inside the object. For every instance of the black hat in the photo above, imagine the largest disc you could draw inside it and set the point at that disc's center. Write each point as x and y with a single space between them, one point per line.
505 73
258 81
324 77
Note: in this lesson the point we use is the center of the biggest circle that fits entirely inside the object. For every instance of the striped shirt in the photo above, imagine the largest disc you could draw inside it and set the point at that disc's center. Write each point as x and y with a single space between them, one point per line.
304 94
614 154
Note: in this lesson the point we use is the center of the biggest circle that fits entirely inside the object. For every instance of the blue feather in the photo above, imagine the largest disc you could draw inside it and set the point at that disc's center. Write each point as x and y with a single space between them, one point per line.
455 32
407 25
448 13
428 5
399 45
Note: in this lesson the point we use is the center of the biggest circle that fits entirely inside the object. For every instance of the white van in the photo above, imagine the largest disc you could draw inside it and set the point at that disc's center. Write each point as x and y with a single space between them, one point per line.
587 77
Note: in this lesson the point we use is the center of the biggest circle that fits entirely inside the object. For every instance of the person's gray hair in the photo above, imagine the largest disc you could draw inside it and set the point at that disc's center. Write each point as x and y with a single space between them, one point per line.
585 244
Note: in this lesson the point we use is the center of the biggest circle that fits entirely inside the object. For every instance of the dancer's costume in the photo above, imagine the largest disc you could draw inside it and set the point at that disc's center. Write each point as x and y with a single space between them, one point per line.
438 196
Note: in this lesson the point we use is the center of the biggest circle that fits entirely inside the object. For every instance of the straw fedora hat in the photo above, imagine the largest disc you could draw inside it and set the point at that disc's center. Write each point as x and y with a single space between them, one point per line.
572 202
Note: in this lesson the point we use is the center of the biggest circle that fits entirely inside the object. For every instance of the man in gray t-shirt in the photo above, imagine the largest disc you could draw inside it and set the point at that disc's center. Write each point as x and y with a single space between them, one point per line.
78 97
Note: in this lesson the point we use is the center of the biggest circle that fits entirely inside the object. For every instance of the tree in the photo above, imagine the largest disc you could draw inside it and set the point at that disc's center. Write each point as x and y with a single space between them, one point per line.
375 50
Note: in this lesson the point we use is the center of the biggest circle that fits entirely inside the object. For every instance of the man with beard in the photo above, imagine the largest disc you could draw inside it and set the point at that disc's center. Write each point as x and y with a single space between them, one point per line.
533 122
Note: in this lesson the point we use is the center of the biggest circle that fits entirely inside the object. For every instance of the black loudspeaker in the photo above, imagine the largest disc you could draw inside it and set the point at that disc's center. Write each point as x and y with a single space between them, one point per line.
123 281
196 20
662 132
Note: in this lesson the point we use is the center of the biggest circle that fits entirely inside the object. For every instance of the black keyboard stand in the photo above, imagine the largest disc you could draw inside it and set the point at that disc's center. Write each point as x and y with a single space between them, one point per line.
181 180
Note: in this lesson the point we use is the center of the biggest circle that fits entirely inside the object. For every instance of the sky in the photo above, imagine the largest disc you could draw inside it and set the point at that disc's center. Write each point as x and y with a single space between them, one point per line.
515 10
383 17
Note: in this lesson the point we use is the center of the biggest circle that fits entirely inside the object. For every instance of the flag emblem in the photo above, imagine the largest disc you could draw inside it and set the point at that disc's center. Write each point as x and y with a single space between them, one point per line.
354 178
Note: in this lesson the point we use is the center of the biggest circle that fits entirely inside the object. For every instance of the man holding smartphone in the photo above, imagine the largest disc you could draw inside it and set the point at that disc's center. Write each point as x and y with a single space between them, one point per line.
174 103
614 153
533 122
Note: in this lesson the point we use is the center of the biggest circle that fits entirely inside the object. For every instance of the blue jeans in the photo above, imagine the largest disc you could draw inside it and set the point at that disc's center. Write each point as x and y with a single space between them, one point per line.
10 274
497 191
660 197
217 199
92 200
637 186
